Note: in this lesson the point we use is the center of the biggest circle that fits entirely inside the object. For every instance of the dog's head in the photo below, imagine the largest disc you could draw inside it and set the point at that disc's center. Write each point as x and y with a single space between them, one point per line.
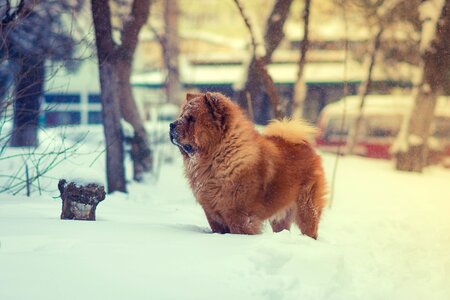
201 124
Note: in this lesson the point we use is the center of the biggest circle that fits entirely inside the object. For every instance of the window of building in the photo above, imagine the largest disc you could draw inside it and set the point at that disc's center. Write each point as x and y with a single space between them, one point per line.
92 98
56 118
62 98
95 117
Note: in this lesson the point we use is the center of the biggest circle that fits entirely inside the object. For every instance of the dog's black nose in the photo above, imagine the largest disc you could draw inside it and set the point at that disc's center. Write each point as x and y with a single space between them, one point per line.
173 125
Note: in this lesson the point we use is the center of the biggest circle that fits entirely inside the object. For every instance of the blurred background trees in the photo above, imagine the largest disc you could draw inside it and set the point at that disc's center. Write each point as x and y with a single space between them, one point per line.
300 89
32 34
381 16
169 40
258 82
276 58
414 138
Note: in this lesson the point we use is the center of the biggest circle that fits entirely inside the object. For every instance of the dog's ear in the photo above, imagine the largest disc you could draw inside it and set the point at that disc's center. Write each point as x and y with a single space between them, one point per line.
215 107
211 98
190 96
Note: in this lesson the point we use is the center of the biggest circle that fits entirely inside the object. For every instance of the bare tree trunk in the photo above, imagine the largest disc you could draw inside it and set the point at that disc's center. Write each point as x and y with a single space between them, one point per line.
300 88
140 145
260 81
364 90
28 92
116 89
171 51
115 168
270 89
109 80
436 65
251 90
257 75
5 82
274 27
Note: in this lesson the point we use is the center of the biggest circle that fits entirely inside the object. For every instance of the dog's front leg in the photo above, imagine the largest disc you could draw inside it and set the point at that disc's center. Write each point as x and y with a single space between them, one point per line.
216 222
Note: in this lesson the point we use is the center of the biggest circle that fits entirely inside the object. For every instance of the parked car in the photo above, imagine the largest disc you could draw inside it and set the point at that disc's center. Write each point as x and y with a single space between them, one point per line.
382 118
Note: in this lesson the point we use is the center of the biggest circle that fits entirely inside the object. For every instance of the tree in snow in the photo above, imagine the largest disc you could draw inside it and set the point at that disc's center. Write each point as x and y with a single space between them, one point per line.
380 16
300 88
411 147
32 33
115 62
372 10
169 41
171 53
258 79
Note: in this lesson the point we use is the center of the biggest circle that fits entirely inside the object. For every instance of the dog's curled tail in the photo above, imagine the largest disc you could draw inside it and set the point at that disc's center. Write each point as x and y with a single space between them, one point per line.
294 131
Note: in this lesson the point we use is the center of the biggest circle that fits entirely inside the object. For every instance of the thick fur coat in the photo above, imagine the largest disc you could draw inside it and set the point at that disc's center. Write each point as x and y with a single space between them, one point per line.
241 177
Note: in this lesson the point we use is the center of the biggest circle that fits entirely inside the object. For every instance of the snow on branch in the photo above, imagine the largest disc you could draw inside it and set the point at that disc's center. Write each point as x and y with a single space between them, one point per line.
429 15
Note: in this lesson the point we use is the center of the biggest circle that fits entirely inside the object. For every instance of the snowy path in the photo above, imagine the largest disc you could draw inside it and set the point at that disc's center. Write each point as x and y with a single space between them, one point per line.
387 236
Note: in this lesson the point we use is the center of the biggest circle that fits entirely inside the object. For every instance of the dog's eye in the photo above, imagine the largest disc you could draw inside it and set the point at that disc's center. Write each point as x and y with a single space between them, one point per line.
190 119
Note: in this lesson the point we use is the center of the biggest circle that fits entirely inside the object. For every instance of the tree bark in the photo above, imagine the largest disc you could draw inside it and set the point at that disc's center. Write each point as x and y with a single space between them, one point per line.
300 88
5 81
171 51
28 92
79 202
109 80
258 79
436 66
270 89
364 90
252 88
274 27
115 71
140 145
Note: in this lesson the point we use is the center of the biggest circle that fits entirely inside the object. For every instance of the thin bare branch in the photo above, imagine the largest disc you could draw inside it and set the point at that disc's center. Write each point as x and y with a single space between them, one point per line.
161 39
248 25
101 15
9 17
140 11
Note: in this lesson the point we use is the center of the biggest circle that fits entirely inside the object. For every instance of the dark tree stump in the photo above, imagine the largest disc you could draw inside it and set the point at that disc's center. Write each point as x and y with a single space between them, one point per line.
79 202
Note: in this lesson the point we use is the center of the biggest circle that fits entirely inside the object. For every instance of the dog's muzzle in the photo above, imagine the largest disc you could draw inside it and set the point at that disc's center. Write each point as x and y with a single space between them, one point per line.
188 149
172 133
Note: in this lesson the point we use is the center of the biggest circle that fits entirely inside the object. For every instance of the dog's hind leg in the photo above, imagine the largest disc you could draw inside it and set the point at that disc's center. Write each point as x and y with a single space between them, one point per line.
309 209
283 220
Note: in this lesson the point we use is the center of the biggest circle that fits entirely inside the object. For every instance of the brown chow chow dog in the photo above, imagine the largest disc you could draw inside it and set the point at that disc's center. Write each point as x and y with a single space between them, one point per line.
241 177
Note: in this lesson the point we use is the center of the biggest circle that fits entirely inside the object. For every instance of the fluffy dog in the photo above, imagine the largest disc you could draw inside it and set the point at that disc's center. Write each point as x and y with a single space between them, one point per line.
241 177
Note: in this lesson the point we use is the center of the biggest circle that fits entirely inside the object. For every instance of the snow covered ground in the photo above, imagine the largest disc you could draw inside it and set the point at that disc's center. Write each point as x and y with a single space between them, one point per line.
386 236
